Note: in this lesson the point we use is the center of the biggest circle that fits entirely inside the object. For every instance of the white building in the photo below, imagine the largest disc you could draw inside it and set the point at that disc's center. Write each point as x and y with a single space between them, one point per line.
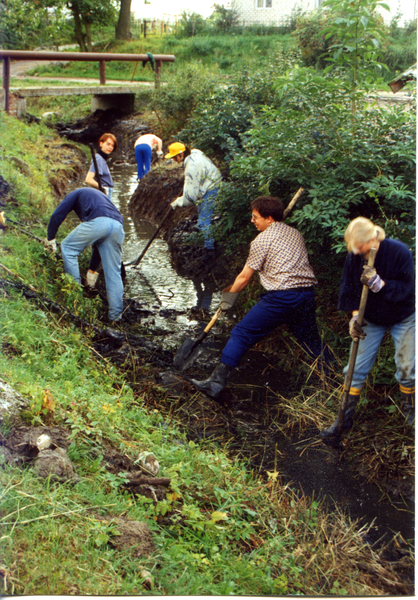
280 12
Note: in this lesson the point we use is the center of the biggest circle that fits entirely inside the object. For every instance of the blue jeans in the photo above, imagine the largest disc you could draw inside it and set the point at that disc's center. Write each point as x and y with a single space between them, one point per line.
205 208
143 155
295 308
108 235
403 335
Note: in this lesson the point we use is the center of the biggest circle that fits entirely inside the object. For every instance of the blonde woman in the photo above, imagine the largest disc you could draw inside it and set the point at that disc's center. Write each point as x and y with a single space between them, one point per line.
390 307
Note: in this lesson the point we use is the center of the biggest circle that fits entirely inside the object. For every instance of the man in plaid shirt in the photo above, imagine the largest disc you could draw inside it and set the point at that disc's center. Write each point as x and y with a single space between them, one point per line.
279 255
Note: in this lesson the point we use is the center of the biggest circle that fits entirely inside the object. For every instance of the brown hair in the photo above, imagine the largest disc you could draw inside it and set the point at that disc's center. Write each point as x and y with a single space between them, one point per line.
268 206
106 136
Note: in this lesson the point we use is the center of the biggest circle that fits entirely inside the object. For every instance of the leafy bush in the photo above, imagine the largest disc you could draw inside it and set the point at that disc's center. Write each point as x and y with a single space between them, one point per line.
174 102
219 121
350 165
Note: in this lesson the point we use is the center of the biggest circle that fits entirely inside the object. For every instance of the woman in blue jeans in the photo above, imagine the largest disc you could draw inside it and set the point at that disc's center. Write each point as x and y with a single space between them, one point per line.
390 307
102 225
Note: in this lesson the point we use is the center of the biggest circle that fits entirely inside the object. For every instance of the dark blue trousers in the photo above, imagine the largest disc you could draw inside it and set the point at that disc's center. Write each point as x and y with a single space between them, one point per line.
143 155
295 308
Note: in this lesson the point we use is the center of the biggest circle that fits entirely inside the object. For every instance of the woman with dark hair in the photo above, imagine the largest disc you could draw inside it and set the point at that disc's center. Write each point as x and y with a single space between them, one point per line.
107 145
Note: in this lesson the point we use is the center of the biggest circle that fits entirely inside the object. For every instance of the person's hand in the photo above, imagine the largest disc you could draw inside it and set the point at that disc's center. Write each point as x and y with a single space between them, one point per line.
159 153
180 202
370 278
228 299
356 331
51 245
91 278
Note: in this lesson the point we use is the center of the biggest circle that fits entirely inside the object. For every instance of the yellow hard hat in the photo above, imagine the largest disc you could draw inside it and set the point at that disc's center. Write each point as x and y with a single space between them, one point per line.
175 149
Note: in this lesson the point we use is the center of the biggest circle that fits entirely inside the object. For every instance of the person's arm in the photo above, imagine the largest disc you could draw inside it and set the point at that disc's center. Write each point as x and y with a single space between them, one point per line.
159 144
60 213
242 280
90 180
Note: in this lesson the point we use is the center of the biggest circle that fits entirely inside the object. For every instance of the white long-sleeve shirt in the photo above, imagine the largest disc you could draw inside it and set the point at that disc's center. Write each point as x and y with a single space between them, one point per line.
200 176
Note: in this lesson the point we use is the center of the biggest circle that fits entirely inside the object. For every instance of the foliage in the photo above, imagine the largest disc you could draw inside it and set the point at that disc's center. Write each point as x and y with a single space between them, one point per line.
174 102
224 17
26 24
348 168
401 48
191 24
310 36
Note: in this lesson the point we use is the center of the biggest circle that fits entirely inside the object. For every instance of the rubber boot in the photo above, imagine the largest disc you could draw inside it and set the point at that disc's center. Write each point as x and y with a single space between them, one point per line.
348 420
408 403
214 385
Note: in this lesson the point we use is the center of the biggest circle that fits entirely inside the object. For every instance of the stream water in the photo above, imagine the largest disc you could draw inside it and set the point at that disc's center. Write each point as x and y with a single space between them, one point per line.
308 468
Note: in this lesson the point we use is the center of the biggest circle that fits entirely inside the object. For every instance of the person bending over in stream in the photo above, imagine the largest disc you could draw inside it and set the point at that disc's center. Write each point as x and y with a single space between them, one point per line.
390 306
279 254
107 145
143 152
201 186
101 224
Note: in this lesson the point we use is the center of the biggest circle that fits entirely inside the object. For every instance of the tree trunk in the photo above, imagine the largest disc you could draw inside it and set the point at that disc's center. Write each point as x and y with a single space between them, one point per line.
123 27
88 34
78 32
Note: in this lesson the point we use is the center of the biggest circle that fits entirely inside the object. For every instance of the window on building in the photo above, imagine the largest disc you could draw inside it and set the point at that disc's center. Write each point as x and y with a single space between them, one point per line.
263 3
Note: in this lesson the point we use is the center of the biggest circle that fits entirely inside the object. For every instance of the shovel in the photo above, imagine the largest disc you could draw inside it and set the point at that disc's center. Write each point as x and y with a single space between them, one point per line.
136 262
335 439
190 348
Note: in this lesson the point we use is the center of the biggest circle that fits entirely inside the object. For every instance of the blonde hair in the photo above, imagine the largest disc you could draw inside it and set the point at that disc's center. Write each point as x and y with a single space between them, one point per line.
360 231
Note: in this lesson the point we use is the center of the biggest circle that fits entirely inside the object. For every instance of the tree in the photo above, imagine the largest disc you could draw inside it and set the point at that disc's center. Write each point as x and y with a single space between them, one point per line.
123 26
85 14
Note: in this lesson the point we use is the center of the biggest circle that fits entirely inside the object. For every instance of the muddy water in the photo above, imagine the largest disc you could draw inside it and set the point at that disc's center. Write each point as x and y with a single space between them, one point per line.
308 464
155 282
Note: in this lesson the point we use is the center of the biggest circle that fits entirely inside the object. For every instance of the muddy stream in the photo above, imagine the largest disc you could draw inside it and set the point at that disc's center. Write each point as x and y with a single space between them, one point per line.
305 464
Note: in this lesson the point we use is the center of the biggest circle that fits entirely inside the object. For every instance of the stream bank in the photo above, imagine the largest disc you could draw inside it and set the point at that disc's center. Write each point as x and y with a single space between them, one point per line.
271 410
257 409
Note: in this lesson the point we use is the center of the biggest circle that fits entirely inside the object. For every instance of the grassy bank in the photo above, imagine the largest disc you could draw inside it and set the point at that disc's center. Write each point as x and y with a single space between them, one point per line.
219 530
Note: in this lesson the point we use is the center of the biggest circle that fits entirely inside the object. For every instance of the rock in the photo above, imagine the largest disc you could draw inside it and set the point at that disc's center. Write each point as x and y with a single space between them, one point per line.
56 464
133 534
11 402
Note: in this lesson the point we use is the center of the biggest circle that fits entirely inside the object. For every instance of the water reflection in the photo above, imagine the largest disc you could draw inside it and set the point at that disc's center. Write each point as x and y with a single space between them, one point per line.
155 281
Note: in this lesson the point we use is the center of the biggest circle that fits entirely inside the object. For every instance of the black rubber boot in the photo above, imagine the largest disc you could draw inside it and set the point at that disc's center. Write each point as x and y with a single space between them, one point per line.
347 421
408 407
214 385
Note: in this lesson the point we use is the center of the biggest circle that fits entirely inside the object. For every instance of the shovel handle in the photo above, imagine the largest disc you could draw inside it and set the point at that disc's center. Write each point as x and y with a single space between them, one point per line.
209 326
96 168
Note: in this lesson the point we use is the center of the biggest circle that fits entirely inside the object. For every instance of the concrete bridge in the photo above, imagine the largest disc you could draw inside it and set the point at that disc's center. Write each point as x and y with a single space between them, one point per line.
121 97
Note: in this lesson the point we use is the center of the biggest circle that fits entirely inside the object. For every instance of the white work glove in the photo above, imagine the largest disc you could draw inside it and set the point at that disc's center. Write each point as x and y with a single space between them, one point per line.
180 202
91 279
51 245
370 278
159 153
228 299
355 330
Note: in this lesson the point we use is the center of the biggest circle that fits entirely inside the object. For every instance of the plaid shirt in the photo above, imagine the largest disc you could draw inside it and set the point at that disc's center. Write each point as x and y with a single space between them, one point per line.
279 255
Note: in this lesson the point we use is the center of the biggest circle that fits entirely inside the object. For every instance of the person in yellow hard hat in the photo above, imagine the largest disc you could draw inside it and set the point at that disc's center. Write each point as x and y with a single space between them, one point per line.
202 180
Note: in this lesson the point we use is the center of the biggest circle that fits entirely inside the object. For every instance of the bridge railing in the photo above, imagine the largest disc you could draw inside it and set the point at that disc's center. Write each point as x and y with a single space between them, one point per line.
101 58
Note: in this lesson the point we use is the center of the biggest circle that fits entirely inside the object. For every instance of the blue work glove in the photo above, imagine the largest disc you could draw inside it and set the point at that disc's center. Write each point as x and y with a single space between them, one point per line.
370 278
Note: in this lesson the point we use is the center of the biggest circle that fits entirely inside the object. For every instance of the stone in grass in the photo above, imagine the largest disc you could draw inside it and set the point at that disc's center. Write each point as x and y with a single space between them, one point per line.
56 465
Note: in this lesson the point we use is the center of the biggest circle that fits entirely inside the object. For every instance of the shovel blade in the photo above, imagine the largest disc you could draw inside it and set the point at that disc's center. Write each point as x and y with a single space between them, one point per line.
183 353
192 357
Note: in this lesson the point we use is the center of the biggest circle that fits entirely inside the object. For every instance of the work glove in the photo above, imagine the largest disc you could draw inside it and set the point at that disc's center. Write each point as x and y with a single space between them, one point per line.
180 202
228 299
51 245
91 279
159 153
356 331
370 278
